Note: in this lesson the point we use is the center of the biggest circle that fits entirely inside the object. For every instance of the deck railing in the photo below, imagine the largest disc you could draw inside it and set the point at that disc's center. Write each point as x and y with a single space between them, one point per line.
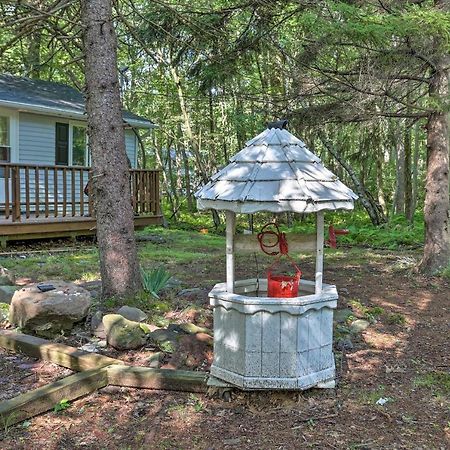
29 191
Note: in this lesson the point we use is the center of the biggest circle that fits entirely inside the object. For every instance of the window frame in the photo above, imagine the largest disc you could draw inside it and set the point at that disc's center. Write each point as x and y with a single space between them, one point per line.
72 124
13 133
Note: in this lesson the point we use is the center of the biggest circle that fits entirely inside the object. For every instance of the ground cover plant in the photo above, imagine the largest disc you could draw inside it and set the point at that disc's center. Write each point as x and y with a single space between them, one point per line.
399 362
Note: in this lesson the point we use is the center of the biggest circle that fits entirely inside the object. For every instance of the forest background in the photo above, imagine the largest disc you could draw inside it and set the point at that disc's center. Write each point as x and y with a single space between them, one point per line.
364 84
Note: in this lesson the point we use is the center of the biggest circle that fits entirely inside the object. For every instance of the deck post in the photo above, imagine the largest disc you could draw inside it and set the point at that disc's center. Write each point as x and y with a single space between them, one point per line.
230 218
15 187
319 251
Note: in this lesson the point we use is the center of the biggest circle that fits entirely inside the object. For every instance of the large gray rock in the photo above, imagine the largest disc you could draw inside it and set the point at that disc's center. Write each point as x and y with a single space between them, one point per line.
7 292
47 313
6 277
97 328
131 313
359 326
124 334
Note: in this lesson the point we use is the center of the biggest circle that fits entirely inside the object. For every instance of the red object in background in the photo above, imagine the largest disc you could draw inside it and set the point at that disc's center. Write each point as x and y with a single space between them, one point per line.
332 236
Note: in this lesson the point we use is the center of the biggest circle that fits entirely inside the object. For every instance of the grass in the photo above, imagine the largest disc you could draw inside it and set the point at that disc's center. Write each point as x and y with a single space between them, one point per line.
180 247
436 381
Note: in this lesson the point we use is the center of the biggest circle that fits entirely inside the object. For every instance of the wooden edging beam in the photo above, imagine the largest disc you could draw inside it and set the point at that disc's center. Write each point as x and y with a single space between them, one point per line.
145 377
63 355
96 371
46 397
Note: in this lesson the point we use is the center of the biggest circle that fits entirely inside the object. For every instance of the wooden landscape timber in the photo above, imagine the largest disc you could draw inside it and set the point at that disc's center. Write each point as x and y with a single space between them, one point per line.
46 397
166 379
96 371
63 355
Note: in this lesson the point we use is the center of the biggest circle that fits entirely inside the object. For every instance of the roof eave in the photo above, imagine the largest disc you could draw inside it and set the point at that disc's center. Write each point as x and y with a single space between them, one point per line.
66 113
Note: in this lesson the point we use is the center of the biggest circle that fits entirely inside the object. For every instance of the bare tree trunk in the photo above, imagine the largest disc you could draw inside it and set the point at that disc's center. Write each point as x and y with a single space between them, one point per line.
375 212
409 211
399 203
110 186
415 168
436 253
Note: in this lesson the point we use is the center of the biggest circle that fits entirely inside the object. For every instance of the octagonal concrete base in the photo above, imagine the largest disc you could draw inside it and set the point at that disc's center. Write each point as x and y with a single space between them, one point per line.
273 343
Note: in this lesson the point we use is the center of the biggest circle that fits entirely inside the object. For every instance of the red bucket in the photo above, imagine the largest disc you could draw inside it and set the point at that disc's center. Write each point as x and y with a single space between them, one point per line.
283 286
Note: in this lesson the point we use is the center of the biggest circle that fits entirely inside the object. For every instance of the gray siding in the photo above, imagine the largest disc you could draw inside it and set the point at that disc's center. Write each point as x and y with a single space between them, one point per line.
130 144
37 139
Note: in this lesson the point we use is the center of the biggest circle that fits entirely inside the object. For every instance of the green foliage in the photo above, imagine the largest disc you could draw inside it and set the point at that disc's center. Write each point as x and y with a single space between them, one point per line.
155 280
396 319
62 405
368 313
437 381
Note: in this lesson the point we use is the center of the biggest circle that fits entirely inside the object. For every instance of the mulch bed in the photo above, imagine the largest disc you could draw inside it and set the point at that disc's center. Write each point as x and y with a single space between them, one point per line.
392 359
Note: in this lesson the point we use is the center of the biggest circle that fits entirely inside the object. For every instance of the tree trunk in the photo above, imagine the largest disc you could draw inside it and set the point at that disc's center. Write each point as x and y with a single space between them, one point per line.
409 211
399 203
375 212
110 185
436 254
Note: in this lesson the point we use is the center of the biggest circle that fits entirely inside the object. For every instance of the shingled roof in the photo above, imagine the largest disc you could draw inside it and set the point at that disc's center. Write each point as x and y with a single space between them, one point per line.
275 172
47 97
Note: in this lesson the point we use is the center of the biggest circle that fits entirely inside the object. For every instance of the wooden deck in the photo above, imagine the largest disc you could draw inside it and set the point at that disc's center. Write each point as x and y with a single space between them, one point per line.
51 201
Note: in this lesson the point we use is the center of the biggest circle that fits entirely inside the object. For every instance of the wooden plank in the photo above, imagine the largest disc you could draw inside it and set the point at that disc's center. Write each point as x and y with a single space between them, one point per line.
60 354
36 191
81 194
64 171
144 377
55 191
46 191
15 176
46 397
72 188
230 218
319 252
297 243
7 181
27 192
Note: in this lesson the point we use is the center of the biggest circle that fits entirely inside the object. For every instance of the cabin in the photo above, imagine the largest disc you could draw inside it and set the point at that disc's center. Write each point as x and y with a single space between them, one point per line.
45 163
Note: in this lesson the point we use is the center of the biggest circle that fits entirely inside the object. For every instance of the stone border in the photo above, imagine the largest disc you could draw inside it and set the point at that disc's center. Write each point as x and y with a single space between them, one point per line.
96 371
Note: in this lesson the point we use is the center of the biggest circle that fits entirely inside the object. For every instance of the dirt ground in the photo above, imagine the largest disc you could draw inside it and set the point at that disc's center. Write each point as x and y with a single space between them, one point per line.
403 358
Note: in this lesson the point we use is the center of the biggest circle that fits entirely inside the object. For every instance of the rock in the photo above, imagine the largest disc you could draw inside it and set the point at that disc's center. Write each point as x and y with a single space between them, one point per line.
47 313
7 292
123 334
154 361
359 325
97 328
89 347
165 339
4 312
344 344
133 314
191 328
341 315
6 277
194 351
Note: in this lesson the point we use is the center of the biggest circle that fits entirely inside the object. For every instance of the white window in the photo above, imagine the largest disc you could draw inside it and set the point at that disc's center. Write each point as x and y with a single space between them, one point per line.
5 138
80 155
71 145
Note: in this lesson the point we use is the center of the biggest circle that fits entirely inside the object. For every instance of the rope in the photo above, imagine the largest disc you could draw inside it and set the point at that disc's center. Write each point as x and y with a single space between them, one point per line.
281 241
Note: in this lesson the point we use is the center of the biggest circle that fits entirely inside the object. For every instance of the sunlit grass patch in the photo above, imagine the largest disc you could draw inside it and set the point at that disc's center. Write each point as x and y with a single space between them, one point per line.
437 381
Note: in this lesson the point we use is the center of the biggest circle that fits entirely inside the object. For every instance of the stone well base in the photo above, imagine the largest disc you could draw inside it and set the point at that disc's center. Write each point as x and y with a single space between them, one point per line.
272 343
